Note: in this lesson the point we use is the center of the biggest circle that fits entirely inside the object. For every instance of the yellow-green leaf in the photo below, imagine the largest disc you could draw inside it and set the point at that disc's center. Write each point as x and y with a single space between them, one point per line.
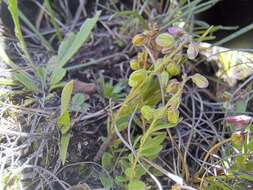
66 96
147 112
26 81
134 64
107 160
72 44
165 40
173 69
152 151
64 143
13 8
57 75
200 80
173 116
63 122
164 78
137 77
163 126
136 185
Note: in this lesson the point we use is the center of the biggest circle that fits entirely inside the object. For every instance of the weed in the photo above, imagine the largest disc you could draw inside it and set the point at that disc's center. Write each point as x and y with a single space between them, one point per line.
152 103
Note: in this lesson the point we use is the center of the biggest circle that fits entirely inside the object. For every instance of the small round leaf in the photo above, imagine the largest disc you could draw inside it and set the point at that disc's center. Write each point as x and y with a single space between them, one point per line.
147 112
173 116
173 69
136 185
192 51
165 40
200 80
137 77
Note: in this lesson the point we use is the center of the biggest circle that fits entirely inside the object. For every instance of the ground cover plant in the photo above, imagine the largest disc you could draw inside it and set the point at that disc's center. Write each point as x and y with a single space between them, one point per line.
122 95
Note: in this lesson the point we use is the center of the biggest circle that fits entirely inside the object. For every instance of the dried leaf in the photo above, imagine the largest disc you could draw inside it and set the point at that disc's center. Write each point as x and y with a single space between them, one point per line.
192 51
173 86
233 65
86 88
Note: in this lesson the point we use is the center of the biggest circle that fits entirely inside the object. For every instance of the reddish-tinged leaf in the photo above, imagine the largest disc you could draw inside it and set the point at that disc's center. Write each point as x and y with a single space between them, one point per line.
86 88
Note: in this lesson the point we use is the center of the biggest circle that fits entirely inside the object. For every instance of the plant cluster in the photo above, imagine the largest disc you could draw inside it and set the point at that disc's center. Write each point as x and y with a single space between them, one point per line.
152 105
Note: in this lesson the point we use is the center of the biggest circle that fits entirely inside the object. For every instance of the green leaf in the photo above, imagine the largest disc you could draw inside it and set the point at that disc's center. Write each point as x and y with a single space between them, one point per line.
128 173
120 180
107 160
152 151
63 122
160 112
173 116
139 171
154 142
65 44
66 96
164 78
136 185
134 14
58 85
26 81
64 147
241 105
165 40
106 181
173 69
147 112
77 102
163 126
57 75
200 80
137 77
74 43
41 73
13 8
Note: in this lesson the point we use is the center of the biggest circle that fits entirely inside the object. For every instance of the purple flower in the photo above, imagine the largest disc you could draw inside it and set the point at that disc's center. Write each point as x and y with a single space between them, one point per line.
175 31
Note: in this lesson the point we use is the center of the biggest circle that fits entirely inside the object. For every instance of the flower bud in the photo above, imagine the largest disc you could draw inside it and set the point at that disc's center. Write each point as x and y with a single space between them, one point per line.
134 64
165 40
175 31
173 86
173 116
173 69
138 40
